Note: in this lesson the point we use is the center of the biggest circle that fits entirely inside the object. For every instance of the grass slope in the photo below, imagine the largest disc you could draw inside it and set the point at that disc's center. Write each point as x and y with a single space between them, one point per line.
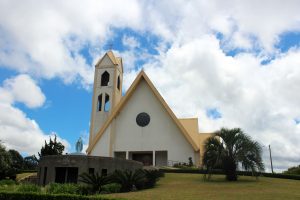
192 186
24 175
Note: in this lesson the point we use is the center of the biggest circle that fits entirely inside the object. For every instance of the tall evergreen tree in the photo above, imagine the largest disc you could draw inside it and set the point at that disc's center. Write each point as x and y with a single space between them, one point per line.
52 148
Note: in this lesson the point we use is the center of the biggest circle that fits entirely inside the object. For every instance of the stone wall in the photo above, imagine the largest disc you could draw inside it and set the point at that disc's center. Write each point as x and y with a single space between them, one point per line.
48 165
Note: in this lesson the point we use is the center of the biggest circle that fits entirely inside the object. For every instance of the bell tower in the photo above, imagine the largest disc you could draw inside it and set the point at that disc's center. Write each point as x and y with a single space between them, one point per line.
107 90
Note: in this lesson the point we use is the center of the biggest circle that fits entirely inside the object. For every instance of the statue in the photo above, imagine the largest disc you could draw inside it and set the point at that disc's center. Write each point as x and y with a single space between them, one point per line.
79 145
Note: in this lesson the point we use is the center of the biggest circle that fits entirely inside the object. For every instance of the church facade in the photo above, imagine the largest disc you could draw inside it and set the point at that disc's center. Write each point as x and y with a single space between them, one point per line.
139 125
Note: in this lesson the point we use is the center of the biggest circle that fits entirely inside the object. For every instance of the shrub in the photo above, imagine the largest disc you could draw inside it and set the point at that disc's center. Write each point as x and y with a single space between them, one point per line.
285 176
152 176
128 179
95 181
112 188
7 182
27 188
293 170
84 190
181 165
58 188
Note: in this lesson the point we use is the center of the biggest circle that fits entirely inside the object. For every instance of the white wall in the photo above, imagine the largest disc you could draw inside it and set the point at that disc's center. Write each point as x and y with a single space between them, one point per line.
102 146
160 135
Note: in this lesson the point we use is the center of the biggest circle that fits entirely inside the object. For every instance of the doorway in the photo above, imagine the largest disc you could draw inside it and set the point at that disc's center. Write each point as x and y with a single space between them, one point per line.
144 157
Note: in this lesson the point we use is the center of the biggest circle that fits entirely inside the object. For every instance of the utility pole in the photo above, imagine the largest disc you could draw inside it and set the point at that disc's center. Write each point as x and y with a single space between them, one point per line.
271 159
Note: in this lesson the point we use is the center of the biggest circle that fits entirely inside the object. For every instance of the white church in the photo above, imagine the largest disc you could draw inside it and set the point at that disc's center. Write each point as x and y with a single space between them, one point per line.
140 125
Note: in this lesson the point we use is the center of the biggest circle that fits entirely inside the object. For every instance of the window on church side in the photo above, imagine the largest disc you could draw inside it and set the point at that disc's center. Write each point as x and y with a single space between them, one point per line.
107 103
105 79
99 106
118 83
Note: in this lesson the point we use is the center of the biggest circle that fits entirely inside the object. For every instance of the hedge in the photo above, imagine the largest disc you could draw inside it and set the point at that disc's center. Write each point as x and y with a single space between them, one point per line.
39 196
241 173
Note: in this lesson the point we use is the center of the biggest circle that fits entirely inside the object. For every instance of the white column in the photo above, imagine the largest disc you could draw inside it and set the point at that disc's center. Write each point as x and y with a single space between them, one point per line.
153 161
127 155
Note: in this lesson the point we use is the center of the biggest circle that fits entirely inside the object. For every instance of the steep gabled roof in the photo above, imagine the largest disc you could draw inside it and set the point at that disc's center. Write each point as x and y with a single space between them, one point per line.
142 76
111 56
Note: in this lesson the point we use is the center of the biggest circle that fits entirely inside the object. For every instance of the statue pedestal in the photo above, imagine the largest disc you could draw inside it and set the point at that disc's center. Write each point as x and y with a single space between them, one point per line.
78 154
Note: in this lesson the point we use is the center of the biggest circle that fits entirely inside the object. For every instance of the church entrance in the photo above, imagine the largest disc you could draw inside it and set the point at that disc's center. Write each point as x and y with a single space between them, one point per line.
143 157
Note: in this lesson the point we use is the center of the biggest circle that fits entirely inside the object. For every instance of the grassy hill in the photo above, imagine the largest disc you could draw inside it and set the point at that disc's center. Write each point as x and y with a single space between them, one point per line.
192 186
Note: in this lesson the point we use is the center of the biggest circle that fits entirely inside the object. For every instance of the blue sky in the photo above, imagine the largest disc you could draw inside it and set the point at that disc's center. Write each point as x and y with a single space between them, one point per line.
214 61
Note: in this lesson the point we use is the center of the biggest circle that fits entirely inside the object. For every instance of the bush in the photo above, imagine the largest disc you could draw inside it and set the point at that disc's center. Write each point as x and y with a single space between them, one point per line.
7 182
95 181
27 188
112 188
241 173
152 176
128 180
84 190
58 188
293 170
40 196
285 176
181 165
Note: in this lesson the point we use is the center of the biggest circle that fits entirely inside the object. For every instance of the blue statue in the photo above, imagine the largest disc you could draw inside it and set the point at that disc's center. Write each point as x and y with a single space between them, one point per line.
79 145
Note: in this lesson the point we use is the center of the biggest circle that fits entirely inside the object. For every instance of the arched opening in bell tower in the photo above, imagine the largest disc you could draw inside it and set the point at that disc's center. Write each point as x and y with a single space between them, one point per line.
106 103
105 79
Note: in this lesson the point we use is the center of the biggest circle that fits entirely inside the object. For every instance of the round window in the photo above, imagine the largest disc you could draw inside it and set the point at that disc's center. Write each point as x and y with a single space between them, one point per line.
142 119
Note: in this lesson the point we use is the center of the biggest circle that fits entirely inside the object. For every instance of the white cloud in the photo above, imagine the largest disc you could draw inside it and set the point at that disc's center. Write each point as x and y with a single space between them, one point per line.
45 38
262 100
23 89
17 130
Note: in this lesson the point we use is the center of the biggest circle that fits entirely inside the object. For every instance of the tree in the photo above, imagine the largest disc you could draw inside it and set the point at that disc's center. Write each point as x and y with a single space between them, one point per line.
228 148
5 164
293 170
17 159
53 148
30 162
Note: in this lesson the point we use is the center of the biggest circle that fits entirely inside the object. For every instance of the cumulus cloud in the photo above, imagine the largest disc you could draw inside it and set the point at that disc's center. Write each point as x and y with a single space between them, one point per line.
46 38
17 130
261 99
22 89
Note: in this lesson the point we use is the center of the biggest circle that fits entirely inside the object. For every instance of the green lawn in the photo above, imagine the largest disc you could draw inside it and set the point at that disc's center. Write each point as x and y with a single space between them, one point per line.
24 175
192 186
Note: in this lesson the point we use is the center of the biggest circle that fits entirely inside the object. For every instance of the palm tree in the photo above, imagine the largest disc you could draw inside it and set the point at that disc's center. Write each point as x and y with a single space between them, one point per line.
228 148
129 179
95 181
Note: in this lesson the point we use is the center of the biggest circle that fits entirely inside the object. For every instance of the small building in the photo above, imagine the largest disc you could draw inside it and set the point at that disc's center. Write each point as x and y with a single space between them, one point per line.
67 168
140 125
